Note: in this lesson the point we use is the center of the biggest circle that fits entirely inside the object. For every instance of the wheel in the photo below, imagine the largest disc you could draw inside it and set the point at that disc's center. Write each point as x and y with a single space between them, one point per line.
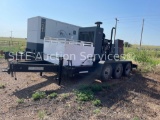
118 71
127 69
106 72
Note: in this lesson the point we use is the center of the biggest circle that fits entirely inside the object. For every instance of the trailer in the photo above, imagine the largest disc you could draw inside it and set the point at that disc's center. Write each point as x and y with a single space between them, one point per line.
90 48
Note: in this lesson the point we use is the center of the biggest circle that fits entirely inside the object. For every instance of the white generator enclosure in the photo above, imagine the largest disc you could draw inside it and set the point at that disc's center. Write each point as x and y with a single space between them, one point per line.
40 27
76 52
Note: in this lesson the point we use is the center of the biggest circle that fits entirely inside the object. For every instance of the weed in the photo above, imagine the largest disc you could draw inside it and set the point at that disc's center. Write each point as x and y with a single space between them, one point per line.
41 114
64 95
93 88
52 95
2 86
20 101
38 95
85 95
79 108
96 111
96 102
146 58
136 118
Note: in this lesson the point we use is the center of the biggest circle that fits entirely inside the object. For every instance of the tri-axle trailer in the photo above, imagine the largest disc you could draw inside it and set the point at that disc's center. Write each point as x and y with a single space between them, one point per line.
66 56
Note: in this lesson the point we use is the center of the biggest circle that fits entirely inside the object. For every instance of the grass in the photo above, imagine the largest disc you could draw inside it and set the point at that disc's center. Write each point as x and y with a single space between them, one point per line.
86 92
20 101
64 95
41 114
12 48
146 57
2 86
52 95
96 111
13 39
85 95
38 95
96 102
135 118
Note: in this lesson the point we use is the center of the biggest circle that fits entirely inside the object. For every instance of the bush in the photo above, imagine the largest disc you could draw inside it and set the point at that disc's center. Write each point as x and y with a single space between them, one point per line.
38 95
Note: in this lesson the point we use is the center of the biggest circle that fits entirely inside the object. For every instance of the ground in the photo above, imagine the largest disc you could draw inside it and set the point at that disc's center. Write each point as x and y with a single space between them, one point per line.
136 97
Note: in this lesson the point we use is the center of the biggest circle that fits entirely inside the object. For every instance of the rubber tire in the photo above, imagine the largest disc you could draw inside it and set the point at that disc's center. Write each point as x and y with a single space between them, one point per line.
118 71
127 69
106 72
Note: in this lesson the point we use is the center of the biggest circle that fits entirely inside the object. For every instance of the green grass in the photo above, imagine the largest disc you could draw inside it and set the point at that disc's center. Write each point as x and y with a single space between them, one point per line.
52 95
93 88
20 101
86 92
96 111
147 57
96 102
64 95
12 48
85 95
38 95
41 114
135 118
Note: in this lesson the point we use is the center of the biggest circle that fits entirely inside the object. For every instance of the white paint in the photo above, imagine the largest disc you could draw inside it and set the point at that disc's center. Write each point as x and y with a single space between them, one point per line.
52 29
61 47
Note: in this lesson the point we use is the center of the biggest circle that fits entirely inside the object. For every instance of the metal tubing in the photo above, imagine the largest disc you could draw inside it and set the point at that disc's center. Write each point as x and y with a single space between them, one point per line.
111 38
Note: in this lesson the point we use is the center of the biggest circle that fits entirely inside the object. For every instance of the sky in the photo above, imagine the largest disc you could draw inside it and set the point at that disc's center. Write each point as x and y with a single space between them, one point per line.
130 13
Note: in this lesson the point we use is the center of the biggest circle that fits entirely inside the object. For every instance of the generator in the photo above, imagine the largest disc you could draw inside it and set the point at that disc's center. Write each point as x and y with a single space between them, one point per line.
40 27
87 44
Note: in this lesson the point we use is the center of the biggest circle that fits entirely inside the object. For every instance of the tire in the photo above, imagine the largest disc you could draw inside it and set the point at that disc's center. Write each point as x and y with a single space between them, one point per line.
118 71
106 72
127 69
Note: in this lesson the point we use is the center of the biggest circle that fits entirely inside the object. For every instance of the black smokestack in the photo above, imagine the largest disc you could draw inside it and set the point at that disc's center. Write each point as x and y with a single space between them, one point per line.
98 24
